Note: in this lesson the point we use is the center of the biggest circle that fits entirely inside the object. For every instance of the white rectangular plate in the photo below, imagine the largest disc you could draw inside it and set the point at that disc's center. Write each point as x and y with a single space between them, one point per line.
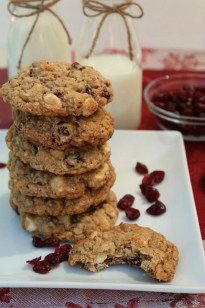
158 150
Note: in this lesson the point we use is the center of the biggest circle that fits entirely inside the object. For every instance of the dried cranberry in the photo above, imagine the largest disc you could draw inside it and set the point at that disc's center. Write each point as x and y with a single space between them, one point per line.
171 106
141 168
106 94
58 93
157 176
34 261
75 218
144 187
39 242
63 252
63 131
147 180
34 71
51 242
88 89
2 165
53 259
31 72
126 202
63 248
137 261
187 112
154 178
156 209
159 104
63 256
132 214
77 66
186 101
151 194
35 149
42 267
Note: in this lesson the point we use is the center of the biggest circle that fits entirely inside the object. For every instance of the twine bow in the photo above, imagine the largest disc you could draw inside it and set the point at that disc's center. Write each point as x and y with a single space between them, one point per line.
36 7
92 8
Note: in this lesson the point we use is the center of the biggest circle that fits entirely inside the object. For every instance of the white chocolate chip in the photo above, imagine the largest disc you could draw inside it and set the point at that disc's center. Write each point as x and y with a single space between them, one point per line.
35 90
107 149
101 259
102 173
90 106
30 225
58 184
52 101
93 234
24 96
99 177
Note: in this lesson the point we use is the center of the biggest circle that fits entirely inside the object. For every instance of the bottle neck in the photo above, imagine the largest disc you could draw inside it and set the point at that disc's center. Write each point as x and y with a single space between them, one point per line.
20 10
113 2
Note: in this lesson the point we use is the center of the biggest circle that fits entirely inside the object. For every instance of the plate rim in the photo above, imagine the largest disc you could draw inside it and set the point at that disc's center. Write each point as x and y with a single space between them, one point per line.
163 288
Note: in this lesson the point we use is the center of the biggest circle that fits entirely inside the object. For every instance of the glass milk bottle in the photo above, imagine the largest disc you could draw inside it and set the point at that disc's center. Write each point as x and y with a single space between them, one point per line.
111 55
48 41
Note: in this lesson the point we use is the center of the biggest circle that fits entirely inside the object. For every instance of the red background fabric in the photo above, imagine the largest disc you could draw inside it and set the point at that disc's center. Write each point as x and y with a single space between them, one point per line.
5 109
195 154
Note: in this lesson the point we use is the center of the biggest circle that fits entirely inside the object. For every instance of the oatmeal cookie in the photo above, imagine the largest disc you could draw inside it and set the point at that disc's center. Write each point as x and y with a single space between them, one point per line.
57 89
60 133
73 228
61 206
70 161
36 183
130 244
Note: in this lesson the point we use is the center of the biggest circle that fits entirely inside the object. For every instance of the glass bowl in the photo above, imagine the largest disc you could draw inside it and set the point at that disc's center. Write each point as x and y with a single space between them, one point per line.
170 98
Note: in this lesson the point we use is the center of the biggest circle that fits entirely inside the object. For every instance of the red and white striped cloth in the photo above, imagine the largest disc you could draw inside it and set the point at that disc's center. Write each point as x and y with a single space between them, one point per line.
68 298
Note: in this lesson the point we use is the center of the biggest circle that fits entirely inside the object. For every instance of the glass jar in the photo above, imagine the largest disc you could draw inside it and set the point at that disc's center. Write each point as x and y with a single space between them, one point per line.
111 57
48 41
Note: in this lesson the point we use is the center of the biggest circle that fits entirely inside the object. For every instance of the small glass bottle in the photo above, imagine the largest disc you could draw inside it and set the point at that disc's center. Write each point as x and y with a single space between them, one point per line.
48 41
111 57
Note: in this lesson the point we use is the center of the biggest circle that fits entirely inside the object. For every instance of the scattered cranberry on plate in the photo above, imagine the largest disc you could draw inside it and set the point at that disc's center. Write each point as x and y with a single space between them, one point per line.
48 242
155 177
126 202
132 214
151 194
2 165
141 168
156 209
42 267
63 252
34 261
51 260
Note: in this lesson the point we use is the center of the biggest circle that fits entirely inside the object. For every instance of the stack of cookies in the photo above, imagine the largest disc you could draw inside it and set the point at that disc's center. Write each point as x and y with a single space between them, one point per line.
59 162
